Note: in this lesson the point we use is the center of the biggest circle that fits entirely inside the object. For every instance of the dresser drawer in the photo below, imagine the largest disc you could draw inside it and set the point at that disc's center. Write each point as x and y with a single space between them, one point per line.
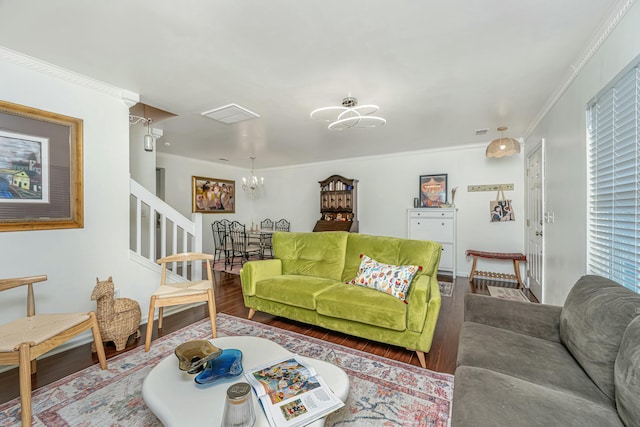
438 229
431 213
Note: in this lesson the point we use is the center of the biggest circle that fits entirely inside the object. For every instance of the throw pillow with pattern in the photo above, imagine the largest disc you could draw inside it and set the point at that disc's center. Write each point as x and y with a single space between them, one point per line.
394 280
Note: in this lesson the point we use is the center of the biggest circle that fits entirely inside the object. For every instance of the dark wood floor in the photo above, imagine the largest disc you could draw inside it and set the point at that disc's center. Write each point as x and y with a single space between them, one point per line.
441 358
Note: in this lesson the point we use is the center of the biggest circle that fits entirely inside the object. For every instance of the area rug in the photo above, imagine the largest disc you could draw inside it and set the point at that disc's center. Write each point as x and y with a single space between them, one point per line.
507 293
446 288
382 392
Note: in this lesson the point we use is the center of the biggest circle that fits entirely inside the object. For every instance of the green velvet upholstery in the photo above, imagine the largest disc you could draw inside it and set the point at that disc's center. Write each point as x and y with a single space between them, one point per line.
524 364
363 305
305 282
311 254
298 291
391 250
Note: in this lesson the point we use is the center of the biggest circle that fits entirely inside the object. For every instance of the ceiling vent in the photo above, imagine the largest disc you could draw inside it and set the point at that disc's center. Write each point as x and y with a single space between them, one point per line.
229 114
480 132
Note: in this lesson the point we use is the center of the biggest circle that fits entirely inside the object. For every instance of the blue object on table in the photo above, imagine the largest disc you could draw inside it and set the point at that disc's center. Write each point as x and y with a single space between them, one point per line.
227 365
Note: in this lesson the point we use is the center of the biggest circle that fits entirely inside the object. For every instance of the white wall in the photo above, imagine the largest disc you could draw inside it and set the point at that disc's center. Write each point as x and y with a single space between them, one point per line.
178 174
73 259
387 187
564 129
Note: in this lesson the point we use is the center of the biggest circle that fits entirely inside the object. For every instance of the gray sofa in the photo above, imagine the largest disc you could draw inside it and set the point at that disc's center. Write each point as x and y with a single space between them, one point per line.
524 364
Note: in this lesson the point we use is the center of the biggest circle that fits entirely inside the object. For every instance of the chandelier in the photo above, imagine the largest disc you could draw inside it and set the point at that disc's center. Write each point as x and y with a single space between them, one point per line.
503 146
252 184
349 115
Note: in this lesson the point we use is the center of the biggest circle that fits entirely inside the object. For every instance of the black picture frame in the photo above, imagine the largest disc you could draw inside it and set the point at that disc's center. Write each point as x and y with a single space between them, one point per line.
433 190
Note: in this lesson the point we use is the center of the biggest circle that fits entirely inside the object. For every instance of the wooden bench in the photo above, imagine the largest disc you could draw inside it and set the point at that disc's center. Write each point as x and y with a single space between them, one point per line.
512 256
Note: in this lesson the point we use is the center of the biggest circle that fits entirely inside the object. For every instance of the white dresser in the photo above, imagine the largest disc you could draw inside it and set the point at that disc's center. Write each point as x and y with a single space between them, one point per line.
439 225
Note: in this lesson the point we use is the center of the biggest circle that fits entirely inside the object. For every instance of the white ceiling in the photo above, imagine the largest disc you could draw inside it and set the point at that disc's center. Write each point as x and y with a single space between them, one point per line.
438 69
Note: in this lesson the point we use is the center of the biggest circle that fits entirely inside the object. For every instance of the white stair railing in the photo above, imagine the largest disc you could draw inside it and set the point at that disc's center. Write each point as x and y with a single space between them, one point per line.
158 230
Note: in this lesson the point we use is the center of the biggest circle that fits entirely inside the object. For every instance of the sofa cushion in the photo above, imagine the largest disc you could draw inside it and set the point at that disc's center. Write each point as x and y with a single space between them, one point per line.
627 375
298 291
311 254
531 359
363 305
391 250
391 279
594 317
484 398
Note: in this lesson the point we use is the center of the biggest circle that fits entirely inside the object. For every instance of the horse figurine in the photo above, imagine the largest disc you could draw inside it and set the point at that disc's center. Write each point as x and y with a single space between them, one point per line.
118 318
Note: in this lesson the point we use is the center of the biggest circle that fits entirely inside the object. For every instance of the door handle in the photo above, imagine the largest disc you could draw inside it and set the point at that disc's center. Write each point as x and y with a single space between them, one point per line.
539 233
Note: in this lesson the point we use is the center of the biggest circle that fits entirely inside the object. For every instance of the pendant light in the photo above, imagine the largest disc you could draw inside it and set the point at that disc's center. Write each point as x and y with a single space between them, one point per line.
148 138
503 146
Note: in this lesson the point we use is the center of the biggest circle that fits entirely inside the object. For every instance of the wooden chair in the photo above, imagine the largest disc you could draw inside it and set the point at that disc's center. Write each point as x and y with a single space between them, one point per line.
27 338
169 294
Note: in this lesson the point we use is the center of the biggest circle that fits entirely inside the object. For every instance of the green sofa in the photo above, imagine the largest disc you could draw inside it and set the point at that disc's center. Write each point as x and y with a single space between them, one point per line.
524 364
306 282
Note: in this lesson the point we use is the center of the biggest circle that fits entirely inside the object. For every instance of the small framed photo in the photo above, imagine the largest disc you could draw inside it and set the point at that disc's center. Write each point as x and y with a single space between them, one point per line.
213 195
433 190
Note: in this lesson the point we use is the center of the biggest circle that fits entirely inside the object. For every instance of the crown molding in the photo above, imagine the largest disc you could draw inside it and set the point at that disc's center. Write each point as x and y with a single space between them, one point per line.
604 31
127 97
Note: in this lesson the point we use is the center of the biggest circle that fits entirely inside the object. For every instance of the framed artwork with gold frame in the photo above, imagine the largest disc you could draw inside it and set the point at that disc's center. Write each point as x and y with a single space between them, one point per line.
41 175
212 195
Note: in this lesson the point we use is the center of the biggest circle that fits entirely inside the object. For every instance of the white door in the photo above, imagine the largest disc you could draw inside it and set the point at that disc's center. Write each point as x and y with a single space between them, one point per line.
535 220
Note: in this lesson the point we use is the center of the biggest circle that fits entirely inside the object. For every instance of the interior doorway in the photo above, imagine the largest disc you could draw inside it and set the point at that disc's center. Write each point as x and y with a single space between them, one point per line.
535 221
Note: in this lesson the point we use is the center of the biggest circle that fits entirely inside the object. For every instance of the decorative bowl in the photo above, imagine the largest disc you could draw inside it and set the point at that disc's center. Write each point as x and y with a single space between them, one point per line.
193 355
227 365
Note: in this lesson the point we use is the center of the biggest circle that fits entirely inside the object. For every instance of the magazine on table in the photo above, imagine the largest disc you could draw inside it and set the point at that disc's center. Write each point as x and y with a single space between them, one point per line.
291 393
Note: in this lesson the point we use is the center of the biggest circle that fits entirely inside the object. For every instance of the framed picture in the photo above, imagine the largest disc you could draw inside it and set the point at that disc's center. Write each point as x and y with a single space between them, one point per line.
40 169
212 195
433 190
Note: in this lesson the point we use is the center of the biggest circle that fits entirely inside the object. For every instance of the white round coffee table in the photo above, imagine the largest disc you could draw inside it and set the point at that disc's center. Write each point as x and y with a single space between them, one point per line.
175 398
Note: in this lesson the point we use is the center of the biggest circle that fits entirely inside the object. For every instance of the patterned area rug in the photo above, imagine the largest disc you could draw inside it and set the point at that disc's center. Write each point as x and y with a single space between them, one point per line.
446 288
382 392
507 293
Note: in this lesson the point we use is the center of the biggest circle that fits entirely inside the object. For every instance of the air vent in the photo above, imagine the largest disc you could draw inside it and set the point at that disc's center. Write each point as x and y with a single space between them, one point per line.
229 114
480 132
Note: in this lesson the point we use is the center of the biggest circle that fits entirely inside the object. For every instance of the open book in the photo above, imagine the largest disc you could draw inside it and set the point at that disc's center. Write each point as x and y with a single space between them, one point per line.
291 393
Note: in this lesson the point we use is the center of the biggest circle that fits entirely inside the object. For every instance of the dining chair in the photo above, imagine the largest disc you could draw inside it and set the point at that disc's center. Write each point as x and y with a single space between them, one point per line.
266 243
189 292
240 244
221 242
266 224
282 225
25 339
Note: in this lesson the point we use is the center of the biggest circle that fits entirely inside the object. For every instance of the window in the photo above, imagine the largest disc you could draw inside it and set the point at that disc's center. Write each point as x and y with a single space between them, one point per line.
613 131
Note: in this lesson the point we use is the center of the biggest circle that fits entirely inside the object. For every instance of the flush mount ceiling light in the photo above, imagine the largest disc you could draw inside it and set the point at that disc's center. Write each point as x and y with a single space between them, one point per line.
503 146
349 115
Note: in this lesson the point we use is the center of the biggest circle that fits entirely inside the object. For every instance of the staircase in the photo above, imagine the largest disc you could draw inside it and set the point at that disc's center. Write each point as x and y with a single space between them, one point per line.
157 230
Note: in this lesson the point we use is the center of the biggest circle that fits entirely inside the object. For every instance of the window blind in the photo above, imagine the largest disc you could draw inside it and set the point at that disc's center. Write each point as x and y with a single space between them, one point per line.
613 131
